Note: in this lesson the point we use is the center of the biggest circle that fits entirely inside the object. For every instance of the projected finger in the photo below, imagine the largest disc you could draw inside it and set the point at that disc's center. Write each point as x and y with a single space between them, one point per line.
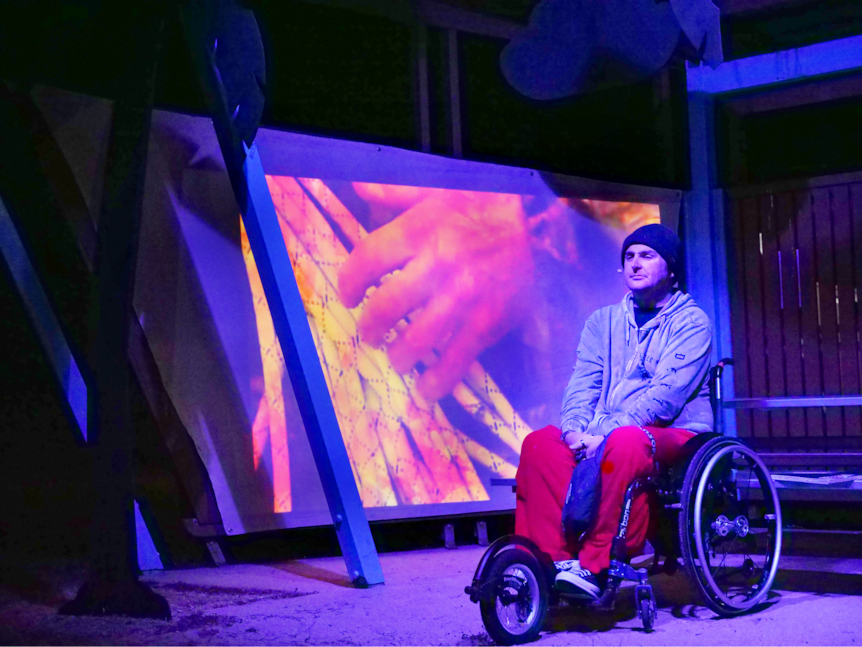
397 297
377 255
465 346
388 249
428 331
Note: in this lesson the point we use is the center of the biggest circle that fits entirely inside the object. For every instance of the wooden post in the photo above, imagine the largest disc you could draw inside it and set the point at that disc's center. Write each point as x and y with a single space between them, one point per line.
113 587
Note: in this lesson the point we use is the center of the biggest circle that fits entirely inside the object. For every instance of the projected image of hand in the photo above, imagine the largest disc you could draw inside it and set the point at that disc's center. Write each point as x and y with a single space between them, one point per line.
456 266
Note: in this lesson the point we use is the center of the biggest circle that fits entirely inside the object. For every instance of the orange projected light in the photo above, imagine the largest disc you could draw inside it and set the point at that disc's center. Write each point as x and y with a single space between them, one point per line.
400 317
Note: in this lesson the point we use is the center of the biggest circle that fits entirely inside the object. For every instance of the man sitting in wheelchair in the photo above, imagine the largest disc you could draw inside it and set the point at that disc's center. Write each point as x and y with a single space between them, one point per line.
639 391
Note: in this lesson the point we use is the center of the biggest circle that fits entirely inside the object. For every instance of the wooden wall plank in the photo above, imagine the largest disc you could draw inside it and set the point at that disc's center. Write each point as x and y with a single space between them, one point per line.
796 316
809 329
785 212
848 357
754 312
828 314
739 333
856 229
772 313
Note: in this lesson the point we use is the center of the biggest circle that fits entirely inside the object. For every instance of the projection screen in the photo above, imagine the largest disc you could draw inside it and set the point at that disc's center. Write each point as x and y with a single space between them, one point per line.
445 297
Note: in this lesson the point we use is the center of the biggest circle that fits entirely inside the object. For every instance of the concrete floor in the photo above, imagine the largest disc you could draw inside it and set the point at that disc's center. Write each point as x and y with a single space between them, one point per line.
816 601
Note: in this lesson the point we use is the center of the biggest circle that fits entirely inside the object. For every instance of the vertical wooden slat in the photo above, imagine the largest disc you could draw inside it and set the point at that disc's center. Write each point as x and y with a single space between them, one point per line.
796 315
856 229
809 330
738 288
790 311
822 215
848 358
772 313
754 312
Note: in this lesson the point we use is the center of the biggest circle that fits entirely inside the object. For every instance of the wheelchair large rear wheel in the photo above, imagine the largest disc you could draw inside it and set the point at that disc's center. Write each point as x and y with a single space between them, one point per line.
730 526
516 607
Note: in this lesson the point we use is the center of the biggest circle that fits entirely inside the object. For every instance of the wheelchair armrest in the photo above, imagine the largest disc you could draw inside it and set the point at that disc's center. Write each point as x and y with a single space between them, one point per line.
716 371
716 392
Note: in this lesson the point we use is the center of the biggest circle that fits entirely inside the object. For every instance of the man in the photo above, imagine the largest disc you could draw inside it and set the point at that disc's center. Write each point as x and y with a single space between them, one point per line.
641 384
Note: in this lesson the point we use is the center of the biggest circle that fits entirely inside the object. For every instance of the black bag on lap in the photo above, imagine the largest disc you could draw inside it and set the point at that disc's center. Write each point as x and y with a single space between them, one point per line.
582 498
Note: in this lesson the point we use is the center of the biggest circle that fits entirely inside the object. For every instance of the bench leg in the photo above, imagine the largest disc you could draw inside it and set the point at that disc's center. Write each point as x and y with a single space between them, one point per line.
449 536
482 533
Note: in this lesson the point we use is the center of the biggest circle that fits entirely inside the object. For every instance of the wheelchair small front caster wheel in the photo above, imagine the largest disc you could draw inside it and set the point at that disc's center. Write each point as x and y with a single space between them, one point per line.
646 606
515 610
647 612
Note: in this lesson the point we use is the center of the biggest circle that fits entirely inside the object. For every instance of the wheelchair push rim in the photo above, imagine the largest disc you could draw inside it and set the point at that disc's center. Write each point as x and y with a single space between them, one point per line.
734 572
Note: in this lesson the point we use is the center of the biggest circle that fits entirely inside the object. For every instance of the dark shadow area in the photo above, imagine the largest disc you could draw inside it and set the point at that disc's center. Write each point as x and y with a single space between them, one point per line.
674 595
818 582
41 582
389 536
278 546
574 616
578 618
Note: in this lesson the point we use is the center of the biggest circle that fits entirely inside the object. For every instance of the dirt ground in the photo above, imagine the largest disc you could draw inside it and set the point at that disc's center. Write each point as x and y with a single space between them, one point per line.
816 601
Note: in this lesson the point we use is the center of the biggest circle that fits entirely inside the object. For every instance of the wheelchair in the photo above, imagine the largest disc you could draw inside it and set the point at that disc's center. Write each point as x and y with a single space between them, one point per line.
719 512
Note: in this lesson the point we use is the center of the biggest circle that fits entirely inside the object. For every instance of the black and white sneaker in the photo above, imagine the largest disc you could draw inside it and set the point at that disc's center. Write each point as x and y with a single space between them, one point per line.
578 582
567 565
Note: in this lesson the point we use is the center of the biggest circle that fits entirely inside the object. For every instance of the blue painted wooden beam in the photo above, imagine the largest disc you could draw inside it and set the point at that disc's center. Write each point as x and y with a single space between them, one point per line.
282 294
706 239
306 377
44 321
754 72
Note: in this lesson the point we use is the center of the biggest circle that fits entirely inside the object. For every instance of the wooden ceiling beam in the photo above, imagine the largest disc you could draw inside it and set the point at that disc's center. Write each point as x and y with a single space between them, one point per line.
735 7
432 13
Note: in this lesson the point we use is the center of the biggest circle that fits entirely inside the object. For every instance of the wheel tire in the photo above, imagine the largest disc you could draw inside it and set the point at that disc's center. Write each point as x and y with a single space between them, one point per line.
648 613
521 564
687 551
691 546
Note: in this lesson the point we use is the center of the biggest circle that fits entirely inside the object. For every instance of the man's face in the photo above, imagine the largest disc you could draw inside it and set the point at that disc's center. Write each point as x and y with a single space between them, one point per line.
645 270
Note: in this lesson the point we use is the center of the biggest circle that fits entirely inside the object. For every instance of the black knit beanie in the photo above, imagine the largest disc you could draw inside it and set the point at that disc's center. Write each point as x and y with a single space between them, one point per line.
662 240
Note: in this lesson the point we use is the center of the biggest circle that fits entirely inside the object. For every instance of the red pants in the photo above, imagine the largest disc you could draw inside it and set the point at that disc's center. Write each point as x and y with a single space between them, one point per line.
543 479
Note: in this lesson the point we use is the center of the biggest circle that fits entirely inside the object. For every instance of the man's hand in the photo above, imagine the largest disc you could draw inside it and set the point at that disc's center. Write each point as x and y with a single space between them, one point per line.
584 444
466 277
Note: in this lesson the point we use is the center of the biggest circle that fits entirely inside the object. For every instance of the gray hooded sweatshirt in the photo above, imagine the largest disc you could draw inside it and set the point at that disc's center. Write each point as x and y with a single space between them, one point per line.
656 376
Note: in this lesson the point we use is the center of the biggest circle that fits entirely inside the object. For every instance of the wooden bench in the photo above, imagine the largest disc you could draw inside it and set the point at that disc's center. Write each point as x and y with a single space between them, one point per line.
809 476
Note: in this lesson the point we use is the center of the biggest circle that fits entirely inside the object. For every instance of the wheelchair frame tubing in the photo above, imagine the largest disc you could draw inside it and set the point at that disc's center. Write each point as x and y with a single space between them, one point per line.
618 545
